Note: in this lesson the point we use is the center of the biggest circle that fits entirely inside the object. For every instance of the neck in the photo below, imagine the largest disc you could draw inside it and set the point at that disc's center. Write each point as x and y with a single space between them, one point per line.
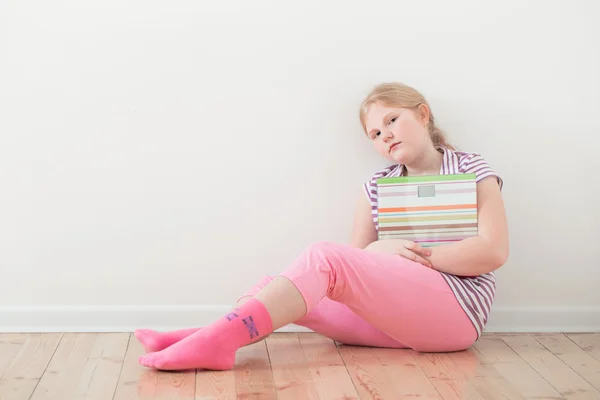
429 163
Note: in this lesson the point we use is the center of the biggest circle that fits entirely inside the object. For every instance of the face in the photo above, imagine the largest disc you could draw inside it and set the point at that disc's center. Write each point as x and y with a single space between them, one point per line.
398 134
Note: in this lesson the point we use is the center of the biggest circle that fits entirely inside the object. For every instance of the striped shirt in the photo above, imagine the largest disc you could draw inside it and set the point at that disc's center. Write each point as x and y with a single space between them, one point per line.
474 294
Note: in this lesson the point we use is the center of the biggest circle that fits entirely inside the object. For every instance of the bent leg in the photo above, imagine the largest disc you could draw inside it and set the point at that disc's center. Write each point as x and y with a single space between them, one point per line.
329 318
337 322
410 303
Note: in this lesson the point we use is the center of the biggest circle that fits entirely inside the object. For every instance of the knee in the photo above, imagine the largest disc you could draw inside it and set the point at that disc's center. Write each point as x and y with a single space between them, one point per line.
322 249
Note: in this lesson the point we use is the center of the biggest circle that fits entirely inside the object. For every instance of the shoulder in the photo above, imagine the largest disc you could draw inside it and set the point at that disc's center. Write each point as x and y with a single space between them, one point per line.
474 163
370 186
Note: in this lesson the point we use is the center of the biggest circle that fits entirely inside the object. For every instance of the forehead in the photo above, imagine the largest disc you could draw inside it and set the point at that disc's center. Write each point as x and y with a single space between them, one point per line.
377 112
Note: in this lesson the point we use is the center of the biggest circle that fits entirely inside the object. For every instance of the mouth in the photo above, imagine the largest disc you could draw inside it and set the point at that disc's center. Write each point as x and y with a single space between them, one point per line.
392 147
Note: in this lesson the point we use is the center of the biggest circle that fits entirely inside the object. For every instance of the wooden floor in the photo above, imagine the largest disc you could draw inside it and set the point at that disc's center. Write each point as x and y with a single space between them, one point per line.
304 366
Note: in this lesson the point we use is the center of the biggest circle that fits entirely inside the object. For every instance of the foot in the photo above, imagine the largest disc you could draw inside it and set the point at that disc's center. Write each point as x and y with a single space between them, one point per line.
154 341
214 347
199 350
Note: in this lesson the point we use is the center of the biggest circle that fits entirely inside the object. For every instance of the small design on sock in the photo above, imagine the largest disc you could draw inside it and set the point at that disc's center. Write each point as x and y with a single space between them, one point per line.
249 322
232 314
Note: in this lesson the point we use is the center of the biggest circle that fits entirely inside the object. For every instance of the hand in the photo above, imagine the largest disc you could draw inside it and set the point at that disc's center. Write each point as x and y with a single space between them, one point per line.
405 248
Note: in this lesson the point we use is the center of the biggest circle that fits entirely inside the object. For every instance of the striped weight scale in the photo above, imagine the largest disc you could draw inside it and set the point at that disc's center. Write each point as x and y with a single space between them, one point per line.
430 210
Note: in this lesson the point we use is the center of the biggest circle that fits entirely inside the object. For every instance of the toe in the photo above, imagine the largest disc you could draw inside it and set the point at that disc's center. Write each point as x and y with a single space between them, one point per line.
146 361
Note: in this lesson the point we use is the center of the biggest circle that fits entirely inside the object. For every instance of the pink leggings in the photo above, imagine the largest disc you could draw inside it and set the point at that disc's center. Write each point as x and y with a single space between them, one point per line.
358 297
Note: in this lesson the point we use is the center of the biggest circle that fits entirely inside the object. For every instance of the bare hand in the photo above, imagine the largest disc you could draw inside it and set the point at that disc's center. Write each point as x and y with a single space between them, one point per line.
405 248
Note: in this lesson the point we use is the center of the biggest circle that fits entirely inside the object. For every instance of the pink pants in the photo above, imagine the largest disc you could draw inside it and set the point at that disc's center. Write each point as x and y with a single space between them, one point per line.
358 297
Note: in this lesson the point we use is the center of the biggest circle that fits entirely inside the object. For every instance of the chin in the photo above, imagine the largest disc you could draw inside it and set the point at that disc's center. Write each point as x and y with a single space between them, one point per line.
399 157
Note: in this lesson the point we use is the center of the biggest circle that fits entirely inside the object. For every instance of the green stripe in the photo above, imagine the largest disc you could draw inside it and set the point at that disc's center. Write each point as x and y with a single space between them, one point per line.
428 178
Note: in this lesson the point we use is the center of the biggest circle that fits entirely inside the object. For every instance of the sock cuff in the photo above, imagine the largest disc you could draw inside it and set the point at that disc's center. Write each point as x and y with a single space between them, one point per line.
256 317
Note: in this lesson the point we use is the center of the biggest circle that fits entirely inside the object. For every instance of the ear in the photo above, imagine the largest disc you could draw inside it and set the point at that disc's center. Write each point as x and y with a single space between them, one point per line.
424 113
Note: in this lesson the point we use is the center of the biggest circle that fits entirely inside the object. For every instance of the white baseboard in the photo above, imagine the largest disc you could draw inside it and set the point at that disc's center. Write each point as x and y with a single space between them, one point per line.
129 318
112 318
544 319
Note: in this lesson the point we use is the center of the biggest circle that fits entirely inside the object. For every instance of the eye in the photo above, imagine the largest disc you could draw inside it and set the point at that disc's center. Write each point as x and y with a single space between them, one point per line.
375 134
392 120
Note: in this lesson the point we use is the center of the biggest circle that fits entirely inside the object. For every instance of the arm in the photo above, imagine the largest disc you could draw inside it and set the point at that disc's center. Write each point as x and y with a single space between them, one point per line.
488 250
363 231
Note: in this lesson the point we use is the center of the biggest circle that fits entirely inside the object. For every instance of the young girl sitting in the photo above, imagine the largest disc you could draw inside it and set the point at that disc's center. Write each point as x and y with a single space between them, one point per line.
385 293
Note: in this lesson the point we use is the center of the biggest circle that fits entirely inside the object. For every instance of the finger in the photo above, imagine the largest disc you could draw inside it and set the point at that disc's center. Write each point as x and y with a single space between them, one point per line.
417 248
415 257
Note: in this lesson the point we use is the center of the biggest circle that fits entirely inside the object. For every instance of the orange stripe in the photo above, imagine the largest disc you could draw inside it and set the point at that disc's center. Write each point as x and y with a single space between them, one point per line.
428 208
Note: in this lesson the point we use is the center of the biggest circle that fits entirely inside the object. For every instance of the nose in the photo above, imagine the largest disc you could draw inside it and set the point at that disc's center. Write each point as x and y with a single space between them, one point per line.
387 135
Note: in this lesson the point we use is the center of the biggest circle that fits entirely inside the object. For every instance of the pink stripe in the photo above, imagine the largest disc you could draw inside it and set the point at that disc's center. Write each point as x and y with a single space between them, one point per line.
413 193
455 239
456 191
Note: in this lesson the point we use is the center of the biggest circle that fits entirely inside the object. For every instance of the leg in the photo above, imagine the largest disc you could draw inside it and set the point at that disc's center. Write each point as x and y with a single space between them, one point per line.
329 318
369 284
366 282
337 322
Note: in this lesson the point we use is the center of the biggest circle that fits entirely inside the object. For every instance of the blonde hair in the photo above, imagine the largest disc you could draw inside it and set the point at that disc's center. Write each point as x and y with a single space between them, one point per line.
400 95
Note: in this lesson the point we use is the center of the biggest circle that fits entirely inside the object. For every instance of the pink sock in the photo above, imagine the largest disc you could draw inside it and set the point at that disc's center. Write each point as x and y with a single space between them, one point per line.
214 346
155 341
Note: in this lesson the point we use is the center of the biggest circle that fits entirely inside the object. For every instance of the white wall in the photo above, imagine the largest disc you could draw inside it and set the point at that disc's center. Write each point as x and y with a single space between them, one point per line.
133 134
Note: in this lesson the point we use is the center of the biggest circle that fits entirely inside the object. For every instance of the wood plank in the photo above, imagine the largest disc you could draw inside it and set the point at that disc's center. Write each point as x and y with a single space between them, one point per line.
10 346
138 382
407 378
572 355
327 367
24 373
64 371
551 368
448 381
590 342
483 376
253 375
514 369
291 375
370 378
101 371
215 385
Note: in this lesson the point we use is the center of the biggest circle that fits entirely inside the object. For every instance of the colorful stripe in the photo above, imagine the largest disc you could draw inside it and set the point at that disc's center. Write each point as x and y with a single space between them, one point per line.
414 193
431 225
395 202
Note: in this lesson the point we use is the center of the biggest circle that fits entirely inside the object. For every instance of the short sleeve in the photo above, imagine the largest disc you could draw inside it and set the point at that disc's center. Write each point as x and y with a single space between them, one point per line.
474 163
370 186
370 190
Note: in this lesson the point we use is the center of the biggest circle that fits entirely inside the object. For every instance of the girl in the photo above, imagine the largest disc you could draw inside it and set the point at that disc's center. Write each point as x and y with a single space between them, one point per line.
385 293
